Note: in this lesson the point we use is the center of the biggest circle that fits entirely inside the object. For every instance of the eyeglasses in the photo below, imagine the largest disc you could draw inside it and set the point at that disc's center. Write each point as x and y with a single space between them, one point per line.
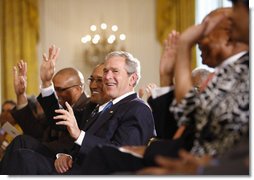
59 89
92 79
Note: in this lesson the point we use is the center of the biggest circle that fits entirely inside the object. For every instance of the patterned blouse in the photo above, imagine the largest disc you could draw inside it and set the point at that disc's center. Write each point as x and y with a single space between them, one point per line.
221 111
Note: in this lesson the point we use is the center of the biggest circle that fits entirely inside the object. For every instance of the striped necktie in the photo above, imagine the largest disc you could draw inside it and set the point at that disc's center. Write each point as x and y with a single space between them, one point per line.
95 111
107 106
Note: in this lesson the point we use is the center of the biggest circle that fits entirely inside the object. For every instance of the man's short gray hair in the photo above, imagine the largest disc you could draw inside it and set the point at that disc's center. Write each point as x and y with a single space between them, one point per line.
132 64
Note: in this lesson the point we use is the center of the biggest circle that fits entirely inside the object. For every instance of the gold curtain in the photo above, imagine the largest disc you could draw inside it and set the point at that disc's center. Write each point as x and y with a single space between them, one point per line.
174 14
19 36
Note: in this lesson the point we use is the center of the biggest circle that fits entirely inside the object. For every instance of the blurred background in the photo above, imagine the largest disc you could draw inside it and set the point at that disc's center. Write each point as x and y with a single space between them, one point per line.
85 30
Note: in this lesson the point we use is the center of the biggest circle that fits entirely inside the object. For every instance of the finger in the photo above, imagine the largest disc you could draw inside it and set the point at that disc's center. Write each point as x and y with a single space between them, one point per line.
25 68
19 65
65 123
58 166
62 169
15 72
61 111
51 51
61 117
44 57
69 108
22 68
65 166
70 163
55 56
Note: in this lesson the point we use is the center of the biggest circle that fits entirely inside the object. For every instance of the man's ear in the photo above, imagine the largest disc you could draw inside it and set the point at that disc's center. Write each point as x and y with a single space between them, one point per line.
133 79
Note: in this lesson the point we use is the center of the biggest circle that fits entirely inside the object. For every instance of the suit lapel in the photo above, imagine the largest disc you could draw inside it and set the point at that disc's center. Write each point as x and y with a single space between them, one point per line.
107 115
90 121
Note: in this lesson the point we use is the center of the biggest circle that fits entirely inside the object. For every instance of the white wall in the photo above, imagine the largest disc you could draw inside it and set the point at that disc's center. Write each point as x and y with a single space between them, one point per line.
64 22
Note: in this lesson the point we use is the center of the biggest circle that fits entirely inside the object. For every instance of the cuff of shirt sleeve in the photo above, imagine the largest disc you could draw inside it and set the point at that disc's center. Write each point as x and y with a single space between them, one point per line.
62 154
47 91
21 106
156 92
80 138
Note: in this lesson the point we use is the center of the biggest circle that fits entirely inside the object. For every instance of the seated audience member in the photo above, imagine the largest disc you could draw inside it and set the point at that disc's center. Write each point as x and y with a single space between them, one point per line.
160 100
128 121
65 141
214 138
236 160
53 138
6 107
28 112
233 162
9 127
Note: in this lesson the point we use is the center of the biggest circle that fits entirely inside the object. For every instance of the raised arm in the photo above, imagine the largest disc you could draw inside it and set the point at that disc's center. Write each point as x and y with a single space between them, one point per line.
183 63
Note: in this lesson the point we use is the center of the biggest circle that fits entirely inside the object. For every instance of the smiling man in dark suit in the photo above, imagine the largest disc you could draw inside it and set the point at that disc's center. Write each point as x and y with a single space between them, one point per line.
128 121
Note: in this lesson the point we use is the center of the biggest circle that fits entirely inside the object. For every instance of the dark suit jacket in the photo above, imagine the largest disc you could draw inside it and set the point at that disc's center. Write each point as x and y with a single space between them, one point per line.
54 138
165 123
50 104
128 122
36 127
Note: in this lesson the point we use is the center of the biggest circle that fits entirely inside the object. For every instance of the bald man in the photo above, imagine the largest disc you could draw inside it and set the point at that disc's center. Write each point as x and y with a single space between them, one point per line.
64 143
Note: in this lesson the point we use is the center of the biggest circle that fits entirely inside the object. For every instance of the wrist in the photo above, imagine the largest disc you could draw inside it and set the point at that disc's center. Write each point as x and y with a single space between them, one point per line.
77 135
63 154
22 99
46 84
166 80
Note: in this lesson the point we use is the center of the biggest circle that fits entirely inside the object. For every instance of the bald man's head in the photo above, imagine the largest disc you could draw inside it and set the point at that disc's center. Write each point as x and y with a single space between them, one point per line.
69 85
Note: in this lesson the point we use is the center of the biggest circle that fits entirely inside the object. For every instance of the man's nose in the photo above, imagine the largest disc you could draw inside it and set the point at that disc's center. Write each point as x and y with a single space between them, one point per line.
108 75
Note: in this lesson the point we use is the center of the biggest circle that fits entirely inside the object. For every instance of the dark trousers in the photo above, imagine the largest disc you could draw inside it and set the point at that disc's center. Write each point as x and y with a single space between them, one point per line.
25 154
107 160
110 160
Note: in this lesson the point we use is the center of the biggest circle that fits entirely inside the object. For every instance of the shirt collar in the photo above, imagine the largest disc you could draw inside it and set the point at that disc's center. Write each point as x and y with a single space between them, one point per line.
116 100
232 59
101 107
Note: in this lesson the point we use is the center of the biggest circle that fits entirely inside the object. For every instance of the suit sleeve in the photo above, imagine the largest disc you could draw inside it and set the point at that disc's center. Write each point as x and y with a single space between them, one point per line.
49 104
165 123
28 122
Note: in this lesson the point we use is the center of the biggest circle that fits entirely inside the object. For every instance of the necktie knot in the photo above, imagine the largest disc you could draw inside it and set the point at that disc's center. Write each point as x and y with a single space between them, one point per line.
95 111
107 106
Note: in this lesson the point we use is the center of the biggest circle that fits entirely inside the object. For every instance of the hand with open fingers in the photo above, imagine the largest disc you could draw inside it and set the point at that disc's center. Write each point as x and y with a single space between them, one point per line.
196 32
20 77
168 58
63 163
68 119
47 68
